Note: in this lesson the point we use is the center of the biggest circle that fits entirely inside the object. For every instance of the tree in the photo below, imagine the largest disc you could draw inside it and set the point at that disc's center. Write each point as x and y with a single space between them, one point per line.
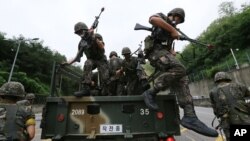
227 9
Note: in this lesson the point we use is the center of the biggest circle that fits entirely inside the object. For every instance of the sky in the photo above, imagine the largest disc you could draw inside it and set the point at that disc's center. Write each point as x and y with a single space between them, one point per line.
52 21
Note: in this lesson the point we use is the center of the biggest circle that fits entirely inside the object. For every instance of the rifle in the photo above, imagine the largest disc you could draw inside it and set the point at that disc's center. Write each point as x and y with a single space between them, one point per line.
95 24
182 37
87 36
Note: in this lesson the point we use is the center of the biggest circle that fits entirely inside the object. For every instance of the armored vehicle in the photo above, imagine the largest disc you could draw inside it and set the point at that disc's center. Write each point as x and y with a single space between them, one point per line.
112 118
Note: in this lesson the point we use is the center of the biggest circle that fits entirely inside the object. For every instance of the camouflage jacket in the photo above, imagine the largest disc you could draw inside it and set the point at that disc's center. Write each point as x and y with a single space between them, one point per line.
228 101
91 50
14 118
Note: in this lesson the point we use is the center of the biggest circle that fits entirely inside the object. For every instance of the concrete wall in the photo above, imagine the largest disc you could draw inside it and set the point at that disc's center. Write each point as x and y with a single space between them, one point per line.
202 88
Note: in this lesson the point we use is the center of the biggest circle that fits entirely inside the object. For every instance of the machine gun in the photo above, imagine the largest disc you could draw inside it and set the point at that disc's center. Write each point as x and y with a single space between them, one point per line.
182 37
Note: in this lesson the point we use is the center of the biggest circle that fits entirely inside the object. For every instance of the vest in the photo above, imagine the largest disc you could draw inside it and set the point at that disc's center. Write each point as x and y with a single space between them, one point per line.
12 121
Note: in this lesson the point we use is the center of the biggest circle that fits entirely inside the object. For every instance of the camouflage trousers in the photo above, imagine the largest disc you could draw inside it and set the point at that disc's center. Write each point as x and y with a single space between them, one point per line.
116 87
173 77
133 87
102 67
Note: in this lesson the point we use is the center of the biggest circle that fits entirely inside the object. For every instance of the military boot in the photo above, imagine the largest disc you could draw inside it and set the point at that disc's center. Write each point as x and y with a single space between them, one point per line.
149 98
84 92
190 121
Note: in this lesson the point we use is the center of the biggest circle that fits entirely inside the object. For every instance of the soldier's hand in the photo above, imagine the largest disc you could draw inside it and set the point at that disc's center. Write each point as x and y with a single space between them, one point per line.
118 72
91 32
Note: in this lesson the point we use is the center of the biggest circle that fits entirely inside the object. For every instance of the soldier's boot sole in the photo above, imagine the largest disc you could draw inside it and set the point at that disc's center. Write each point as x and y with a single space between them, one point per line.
193 123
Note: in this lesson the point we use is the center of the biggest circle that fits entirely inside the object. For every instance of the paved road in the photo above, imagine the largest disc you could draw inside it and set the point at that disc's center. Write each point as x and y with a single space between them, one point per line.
205 114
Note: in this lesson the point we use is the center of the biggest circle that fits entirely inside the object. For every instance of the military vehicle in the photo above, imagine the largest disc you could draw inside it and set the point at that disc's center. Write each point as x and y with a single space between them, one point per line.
101 118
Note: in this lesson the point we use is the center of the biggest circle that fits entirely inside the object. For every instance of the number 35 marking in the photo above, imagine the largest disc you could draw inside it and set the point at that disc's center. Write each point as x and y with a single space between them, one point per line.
144 111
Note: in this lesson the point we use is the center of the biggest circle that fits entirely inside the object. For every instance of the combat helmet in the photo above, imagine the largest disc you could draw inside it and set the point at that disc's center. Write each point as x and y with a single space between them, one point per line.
221 76
178 11
30 96
99 36
80 26
113 53
126 50
15 89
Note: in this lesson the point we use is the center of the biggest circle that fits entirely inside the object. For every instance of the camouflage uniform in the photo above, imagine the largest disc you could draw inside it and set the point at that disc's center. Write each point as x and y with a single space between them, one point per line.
95 59
14 118
228 102
135 75
172 74
116 86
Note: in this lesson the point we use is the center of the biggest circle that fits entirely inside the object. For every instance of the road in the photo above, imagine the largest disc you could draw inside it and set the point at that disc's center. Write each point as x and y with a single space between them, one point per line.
205 114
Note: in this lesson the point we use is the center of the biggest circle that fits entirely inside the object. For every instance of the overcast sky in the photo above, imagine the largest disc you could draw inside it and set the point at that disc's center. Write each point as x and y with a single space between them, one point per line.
53 20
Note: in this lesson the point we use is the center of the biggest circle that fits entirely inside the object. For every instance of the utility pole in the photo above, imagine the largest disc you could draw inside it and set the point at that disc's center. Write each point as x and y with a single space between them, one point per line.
235 60
18 48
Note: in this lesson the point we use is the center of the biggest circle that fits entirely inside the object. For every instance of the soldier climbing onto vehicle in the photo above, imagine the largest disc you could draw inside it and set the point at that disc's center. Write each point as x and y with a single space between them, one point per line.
92 45
17 121
116 86
173 75
135 76
229 102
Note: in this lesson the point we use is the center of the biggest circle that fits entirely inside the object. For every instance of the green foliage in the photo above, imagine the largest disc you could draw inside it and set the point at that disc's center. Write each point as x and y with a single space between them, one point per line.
33 66
232 31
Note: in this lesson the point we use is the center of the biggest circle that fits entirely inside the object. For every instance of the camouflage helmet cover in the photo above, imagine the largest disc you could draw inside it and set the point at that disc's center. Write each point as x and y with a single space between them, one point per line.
80 26
221 76
113 53
178 11
126 50
15 89
30 96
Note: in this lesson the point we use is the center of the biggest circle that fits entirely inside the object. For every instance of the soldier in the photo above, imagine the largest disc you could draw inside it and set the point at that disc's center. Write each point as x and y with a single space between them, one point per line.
30 97
228 102
172 72
135 75
92 46
116 86
17 121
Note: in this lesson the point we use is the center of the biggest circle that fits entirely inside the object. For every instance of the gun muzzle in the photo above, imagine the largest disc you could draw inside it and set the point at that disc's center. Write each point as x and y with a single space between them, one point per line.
141 27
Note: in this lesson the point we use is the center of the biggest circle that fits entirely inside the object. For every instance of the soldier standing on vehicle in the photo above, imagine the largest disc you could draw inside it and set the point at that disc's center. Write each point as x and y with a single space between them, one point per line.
229 102
135 76
92 46
173 73
17 121
116 86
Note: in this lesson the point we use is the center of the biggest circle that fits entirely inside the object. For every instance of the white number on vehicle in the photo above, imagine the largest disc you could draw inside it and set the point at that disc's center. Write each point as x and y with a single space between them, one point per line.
144 112
77 112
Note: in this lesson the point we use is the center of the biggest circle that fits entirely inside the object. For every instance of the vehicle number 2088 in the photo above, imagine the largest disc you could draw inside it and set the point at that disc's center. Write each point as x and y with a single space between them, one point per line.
77 112
144 111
